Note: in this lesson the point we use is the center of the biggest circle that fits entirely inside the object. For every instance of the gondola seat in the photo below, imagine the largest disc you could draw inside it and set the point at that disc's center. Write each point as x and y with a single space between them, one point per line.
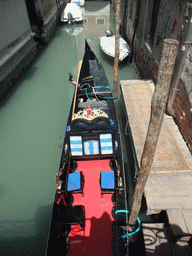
74 215
107 181
74 182
98 123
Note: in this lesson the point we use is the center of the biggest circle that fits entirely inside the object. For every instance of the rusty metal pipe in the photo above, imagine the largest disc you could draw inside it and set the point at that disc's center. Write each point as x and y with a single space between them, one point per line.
181 62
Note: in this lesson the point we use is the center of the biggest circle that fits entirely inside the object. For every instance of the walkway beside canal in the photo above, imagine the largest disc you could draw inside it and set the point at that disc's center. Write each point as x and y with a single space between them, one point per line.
169 185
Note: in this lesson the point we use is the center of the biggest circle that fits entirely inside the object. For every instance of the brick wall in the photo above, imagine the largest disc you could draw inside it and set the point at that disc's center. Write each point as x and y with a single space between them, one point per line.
169 17
183 114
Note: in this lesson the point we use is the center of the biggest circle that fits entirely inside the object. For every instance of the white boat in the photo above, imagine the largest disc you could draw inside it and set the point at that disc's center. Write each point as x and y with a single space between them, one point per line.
107 44
72 13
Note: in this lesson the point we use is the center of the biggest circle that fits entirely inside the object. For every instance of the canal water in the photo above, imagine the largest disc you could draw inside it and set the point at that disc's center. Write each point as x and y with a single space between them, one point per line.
32 125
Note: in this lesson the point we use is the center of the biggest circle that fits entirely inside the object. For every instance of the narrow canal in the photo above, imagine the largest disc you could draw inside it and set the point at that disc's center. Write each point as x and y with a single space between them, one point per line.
32 120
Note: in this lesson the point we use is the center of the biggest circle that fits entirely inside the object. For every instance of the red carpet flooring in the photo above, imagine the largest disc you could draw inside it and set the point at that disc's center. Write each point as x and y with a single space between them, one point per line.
97 235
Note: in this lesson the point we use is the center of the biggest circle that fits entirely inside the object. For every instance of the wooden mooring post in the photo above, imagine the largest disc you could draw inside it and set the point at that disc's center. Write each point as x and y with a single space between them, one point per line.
116 59
158 106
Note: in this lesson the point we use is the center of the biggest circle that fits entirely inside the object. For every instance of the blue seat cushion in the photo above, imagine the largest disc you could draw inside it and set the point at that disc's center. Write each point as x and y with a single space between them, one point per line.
74 181
107 180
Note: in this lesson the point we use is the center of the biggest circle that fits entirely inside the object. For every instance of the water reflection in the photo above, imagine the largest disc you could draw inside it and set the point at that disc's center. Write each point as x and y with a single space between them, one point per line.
26 237
74 30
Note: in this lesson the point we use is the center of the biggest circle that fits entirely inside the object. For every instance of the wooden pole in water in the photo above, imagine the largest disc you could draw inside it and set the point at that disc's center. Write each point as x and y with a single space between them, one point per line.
158 106
116 60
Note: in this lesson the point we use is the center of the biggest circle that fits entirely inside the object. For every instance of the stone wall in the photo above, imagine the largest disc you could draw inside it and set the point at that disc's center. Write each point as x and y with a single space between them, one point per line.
17 47
15 61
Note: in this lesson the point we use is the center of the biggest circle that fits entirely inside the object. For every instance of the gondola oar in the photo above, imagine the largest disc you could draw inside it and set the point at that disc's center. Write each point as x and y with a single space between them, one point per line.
76 85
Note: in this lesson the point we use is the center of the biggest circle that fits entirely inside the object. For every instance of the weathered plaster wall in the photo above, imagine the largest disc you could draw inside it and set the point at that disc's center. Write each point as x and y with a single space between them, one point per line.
14 21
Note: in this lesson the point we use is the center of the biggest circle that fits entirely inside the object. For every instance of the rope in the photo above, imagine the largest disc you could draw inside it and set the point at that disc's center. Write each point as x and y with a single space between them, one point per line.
135 231
98 98
168 23
107 98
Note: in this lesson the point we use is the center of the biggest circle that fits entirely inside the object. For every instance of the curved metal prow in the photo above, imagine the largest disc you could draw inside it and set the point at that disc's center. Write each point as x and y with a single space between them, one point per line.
87 47
71 79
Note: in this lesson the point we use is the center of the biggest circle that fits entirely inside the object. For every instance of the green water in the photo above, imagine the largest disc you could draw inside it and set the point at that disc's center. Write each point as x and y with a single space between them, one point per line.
32 126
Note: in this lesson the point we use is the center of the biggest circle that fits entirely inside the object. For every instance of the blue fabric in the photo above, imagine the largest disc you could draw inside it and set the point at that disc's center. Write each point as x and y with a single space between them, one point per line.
68 128
91 147
107 180
76 145
106 144
74 181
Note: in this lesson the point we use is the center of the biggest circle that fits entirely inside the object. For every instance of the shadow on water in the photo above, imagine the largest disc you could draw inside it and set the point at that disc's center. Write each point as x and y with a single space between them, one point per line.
15 238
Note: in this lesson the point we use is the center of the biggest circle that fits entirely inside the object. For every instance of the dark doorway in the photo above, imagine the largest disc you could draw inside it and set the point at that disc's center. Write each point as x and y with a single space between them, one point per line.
31 11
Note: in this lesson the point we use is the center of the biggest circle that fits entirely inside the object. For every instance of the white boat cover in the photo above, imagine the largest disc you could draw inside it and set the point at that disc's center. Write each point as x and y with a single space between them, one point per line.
75 10
78 2
108 47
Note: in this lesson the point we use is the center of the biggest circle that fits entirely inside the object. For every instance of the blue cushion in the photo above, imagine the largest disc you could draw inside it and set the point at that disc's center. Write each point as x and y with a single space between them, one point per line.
74 181
107 180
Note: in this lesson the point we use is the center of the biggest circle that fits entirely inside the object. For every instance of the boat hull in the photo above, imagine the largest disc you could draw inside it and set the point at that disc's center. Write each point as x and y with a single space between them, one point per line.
74 11
90 184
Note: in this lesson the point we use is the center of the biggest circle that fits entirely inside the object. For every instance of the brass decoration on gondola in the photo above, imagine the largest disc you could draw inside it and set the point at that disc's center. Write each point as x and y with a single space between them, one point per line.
89 114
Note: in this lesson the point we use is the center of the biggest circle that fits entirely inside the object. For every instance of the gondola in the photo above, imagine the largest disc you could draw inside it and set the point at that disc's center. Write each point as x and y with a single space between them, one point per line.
90 212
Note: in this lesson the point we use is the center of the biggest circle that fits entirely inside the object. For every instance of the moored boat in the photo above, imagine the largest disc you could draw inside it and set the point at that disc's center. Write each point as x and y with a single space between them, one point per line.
90 211
72 13
107 44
